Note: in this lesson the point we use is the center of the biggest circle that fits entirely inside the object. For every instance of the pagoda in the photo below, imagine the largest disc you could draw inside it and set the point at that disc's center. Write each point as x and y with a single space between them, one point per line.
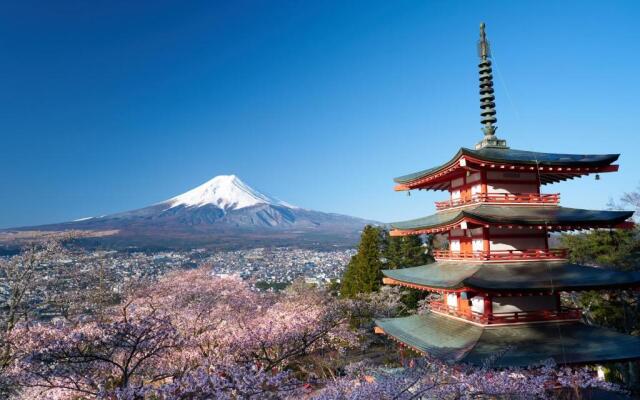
498 286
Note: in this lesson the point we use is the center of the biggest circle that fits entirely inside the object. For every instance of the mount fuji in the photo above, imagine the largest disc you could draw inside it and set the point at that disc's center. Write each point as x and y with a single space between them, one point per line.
221 213
227 192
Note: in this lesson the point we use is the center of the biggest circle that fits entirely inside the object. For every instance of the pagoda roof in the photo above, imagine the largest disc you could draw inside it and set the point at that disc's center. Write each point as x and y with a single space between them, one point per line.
521 158
520 345
521 276
516 215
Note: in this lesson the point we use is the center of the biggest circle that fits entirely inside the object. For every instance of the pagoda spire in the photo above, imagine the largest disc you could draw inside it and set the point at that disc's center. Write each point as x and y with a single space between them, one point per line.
487 98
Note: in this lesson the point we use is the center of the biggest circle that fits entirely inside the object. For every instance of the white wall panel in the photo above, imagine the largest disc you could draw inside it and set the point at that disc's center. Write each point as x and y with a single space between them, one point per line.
524 303
516 243
454 245
477 304
452 300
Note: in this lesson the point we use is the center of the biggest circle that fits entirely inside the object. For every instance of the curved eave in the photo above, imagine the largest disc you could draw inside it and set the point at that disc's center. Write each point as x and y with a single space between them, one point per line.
521 346
552 218
541 276
409 181
427 288
439 275
525 157
551 167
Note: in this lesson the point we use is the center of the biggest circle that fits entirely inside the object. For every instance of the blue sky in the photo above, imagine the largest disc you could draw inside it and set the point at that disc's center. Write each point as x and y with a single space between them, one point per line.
109 106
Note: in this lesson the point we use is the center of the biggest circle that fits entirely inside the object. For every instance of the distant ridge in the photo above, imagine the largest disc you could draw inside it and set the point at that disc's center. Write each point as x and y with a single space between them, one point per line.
223 212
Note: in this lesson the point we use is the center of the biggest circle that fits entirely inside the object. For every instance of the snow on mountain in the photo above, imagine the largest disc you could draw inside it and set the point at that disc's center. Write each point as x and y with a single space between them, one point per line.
222 213
227 192
82 219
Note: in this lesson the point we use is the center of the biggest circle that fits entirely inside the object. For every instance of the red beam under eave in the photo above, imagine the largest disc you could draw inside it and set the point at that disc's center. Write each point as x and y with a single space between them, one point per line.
381 331
551 227
391 281
627 225
477 164
400 188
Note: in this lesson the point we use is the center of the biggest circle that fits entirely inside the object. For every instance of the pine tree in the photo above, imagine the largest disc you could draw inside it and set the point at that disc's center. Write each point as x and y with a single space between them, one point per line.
404 252
363 272
612 248
349 287
370 259
413 252
392 251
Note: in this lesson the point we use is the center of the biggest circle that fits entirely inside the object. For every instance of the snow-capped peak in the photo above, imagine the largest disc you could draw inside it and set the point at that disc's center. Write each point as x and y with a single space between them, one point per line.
227 192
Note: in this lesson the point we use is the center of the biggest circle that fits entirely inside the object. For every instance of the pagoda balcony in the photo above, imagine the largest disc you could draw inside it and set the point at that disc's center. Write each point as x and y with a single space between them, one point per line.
501 198
502 255
563 314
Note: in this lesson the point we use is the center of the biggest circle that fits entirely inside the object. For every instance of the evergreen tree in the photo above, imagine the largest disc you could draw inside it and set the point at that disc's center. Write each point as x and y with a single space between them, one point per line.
376 251
363 272
349 287
392 251
615 247
616 309
413 252
405 251
370 259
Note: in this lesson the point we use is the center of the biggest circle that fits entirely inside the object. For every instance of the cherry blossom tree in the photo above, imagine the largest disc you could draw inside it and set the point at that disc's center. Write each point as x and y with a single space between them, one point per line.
20 283
93 357
237 381
195 336
21 293
433 379
190 330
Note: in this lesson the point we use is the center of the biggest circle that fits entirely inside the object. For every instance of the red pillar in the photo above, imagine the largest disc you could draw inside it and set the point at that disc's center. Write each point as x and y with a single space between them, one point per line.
488 306
483 181
486 245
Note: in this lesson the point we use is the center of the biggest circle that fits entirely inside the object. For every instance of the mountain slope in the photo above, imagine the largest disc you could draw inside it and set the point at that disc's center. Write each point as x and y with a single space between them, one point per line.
223 212
227 192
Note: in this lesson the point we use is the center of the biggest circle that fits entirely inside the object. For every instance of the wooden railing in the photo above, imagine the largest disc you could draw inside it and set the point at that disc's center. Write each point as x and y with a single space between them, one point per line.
525 198
541 315
506 255
509 317
447 309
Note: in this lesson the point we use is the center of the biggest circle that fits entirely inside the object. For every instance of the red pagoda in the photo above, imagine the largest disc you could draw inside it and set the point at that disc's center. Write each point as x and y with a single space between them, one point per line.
499 281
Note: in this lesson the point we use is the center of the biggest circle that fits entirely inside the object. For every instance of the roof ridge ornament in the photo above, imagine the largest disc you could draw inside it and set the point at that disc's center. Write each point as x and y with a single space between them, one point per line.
487 97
